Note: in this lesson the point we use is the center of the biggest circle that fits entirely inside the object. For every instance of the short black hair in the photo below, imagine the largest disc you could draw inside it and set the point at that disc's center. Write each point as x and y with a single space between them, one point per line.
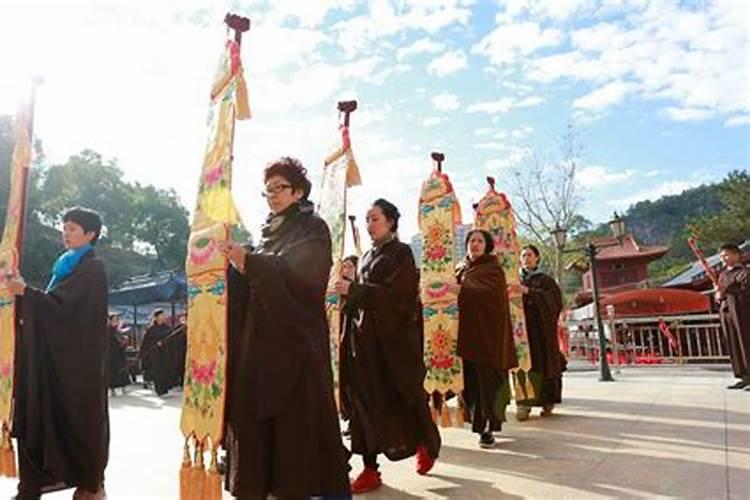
730 247
489 244
351 258
88 219
533 248
389 210
292 170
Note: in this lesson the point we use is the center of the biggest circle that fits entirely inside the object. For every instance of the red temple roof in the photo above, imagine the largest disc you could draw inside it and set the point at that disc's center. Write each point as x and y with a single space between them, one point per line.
649 302
629 249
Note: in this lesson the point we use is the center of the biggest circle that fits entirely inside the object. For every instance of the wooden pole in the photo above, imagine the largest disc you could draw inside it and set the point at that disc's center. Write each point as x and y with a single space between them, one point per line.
438 158
27 173
347 107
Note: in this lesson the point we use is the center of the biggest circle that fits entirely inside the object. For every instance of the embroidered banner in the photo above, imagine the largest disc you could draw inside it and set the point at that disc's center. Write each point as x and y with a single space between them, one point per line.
439 214
340 171
205 390
495 215
10 248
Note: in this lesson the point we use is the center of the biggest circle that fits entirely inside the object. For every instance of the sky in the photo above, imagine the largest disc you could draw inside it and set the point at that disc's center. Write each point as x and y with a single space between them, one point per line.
658 91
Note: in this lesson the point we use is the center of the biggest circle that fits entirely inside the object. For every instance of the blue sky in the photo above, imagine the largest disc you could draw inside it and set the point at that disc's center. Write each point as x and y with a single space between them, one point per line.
658 91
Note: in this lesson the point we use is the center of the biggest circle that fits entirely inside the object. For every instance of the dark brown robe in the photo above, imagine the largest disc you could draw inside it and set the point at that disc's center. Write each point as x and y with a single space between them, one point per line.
283 436
118 372
735 317
382 370
542 306
485 341
61 415
158 360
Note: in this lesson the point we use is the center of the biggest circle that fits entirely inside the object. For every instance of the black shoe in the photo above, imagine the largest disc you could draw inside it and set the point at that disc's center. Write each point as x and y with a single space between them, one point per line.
486 440
739 385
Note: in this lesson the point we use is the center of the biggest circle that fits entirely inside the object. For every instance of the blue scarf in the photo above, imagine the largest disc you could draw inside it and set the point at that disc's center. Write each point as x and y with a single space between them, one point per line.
66 264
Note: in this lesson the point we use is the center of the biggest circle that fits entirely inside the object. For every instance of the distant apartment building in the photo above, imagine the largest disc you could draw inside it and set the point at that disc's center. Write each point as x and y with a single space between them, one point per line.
416 244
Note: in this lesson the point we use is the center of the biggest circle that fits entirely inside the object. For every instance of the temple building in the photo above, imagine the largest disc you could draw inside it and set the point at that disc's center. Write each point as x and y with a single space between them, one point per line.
619 267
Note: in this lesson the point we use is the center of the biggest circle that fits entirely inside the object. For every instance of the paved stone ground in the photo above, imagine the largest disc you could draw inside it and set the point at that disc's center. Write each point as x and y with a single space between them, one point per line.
657 432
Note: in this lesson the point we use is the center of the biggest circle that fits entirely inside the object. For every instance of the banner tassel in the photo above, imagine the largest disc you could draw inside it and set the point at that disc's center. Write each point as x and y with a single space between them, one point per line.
185 473
198 471
445 416
10 464
213 479
459 418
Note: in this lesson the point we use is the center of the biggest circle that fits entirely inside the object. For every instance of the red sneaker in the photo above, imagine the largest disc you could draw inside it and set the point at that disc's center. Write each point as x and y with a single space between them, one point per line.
424 461
368 480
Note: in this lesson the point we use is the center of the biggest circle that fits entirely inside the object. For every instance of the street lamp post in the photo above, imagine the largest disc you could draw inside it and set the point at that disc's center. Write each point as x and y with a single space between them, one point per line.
617 226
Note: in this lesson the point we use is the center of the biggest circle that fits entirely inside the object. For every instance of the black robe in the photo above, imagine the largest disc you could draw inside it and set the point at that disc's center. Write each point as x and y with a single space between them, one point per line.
158 360
735 317
61 417
542 306
383 370
118 372
283 436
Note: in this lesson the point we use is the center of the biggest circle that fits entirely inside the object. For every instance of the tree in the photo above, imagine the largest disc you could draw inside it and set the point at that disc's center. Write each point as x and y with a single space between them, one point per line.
160 221
145 228
548 193
732 224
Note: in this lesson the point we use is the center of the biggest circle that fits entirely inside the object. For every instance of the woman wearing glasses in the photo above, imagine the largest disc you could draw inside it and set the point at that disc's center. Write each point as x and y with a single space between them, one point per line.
283 437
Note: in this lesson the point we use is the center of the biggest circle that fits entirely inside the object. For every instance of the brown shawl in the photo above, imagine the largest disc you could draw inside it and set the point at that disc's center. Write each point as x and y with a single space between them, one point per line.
485 335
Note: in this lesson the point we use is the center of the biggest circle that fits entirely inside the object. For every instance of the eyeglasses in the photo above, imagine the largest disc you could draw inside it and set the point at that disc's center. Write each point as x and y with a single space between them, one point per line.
274 190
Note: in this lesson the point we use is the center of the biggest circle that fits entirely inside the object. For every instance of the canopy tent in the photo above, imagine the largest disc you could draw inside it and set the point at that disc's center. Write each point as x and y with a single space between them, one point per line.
135 298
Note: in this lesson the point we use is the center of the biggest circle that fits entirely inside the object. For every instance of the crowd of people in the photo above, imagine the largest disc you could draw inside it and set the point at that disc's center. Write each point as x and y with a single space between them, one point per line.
283 436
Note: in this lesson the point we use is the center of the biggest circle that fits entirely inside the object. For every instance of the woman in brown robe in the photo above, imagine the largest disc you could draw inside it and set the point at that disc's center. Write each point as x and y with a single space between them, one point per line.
542 304
283 437
485 336
733 295
382 369
61 415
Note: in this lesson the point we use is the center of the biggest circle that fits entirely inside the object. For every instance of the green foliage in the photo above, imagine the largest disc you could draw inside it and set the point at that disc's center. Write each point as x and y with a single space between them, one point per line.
665 220
732 224
146 228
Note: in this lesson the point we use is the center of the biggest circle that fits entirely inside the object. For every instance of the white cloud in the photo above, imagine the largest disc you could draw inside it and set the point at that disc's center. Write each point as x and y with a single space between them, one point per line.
603 97
448 63
382 20
421 46
309 14
513 156
545 9
738 121
688 114
431 121
530 101
522 132
508 43
654 193
502 105
696 63
445 102
596 176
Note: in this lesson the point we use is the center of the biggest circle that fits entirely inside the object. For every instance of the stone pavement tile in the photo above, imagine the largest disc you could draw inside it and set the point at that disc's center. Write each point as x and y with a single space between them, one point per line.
738 444
662 432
